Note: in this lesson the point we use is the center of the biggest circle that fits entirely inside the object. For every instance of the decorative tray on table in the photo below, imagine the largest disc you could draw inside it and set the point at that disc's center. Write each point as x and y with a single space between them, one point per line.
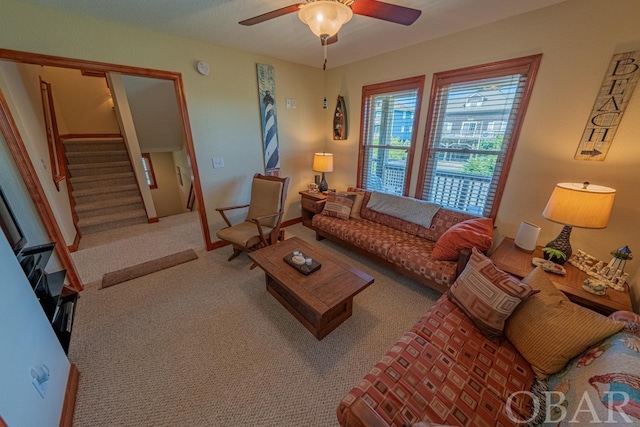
298 261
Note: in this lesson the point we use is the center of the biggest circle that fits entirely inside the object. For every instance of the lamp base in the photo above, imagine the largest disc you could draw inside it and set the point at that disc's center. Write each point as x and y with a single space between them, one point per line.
323 186
559 248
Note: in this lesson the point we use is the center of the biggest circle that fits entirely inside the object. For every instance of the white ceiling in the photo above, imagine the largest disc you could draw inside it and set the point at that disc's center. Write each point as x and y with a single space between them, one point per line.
286 37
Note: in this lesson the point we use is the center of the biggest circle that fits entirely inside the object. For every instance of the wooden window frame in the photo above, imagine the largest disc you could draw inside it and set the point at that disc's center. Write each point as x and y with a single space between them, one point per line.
378 89
527 64
147 158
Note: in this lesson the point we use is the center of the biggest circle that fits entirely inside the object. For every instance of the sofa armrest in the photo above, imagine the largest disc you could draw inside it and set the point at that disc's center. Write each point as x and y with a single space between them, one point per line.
463 259
626 316
360 414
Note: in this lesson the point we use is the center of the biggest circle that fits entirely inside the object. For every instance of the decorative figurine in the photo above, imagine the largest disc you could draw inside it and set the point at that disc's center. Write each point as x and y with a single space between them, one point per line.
611 275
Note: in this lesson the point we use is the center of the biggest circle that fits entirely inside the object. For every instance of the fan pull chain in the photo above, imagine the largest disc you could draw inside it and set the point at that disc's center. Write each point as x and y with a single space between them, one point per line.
324 70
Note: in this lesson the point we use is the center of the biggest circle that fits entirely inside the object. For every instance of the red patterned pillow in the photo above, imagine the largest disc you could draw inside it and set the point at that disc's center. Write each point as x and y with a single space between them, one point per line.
487 294
477 232
338 206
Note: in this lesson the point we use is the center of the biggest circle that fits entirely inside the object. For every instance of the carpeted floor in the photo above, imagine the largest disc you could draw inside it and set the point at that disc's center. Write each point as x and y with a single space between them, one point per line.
204 344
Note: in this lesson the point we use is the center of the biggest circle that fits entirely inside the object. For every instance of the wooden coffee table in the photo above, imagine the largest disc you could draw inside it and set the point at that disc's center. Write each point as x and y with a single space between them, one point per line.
320 301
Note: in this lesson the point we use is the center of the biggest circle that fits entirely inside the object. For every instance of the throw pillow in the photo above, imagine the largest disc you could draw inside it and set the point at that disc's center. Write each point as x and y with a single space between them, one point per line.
338 206
487 294
357 204
477 232
549 330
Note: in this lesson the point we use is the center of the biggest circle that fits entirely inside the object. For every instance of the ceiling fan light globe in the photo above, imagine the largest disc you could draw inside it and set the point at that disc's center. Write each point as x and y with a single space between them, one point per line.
325 16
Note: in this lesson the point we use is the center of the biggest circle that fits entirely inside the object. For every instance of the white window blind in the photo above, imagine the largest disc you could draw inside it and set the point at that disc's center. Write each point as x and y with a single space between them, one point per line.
469 141
387 138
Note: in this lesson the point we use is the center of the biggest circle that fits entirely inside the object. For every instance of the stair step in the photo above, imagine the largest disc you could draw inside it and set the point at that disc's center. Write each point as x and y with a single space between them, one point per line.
86 157
104 145
90 178
90 198
107 203
103 190
83 185
135 205
99 168
113 225
109 218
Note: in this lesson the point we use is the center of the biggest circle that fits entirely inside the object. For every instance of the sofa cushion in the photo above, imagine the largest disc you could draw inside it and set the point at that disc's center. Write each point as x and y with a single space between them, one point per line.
487 294
603 372
416 381
498 367
476 232
357 203
373 237
442 221
414 255
338 205
549 330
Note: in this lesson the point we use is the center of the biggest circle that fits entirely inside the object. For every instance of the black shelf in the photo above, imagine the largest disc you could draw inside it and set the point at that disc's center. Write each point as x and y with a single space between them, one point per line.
58 302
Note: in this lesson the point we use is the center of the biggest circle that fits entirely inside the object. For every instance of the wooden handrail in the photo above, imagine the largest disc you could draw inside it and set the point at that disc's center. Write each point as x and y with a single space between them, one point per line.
56 151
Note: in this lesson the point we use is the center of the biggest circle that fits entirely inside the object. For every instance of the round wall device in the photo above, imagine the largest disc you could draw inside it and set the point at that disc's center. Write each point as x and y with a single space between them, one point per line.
203 68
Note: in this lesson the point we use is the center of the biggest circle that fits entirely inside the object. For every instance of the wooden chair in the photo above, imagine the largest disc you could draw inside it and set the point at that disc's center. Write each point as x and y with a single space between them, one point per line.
262 225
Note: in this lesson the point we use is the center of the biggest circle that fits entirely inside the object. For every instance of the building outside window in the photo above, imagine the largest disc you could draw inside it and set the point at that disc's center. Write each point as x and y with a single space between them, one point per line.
467 170
387 138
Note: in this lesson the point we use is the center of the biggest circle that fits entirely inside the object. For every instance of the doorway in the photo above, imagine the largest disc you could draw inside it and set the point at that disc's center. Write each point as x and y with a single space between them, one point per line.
29 175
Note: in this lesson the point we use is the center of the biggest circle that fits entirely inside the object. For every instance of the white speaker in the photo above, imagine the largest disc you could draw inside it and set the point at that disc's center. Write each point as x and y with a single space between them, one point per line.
527 236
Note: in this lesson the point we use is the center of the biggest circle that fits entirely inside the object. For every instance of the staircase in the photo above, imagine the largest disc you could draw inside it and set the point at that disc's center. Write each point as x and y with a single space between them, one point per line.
104 187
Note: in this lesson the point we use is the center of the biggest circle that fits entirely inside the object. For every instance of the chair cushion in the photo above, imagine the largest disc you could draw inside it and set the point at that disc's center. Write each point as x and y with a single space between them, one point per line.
265 200
240 234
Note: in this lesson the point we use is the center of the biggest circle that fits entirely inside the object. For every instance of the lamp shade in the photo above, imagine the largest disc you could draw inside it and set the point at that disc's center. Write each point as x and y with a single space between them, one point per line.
325 17
323 162
580 205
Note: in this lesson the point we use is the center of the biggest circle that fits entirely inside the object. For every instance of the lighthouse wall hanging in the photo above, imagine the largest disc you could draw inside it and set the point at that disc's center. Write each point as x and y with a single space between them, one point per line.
269 119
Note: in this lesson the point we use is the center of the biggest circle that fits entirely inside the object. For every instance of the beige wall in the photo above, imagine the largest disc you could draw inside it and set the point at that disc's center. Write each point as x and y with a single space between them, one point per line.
166 197
577 40
21 87
223 107
83 103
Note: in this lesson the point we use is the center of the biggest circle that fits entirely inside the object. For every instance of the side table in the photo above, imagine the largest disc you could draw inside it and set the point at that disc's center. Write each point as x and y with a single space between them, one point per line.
509 258
311 204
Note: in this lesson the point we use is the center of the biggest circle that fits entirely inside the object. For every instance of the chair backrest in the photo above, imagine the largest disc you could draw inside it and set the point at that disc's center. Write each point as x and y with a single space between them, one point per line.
268 194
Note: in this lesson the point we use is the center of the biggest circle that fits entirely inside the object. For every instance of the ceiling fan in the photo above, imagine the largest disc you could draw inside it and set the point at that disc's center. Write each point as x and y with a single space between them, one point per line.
326 17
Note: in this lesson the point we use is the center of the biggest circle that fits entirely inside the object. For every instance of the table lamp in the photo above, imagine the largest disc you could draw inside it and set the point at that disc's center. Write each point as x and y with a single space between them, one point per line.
576 205
323 162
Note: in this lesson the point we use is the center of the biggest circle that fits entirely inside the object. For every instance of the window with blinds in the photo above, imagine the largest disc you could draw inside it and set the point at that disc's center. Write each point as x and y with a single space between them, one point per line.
149 175
390 114
475 118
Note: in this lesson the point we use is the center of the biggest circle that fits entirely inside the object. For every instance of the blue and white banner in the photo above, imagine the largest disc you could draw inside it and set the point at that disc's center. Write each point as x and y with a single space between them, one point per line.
267 94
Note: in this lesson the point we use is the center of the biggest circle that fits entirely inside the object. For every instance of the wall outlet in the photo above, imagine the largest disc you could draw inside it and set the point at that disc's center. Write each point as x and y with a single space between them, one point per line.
291 102
218 162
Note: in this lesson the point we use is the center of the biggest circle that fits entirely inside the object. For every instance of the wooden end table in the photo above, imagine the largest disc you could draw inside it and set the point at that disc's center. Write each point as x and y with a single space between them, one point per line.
509 258
311 204
320 301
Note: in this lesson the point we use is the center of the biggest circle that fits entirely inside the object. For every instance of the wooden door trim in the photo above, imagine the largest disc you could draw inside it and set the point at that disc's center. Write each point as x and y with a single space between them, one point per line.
93 66
23 162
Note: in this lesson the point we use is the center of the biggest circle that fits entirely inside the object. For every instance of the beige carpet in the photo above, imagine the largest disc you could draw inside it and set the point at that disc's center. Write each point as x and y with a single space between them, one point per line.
204 344
139 270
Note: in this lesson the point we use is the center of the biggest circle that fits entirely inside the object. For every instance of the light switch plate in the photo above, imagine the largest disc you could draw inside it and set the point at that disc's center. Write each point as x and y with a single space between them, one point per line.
218 162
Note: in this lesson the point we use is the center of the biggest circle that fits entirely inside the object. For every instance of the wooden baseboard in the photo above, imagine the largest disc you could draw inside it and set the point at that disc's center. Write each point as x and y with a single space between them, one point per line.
291 222
90 135
76 242
218 244
69 405
153 219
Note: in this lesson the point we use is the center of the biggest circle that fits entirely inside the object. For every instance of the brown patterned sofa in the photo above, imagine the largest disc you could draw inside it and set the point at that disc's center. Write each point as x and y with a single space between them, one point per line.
401 245
446 370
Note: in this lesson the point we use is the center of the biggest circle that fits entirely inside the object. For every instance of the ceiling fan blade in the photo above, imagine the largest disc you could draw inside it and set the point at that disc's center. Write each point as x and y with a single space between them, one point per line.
330 40
273 14
386 11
